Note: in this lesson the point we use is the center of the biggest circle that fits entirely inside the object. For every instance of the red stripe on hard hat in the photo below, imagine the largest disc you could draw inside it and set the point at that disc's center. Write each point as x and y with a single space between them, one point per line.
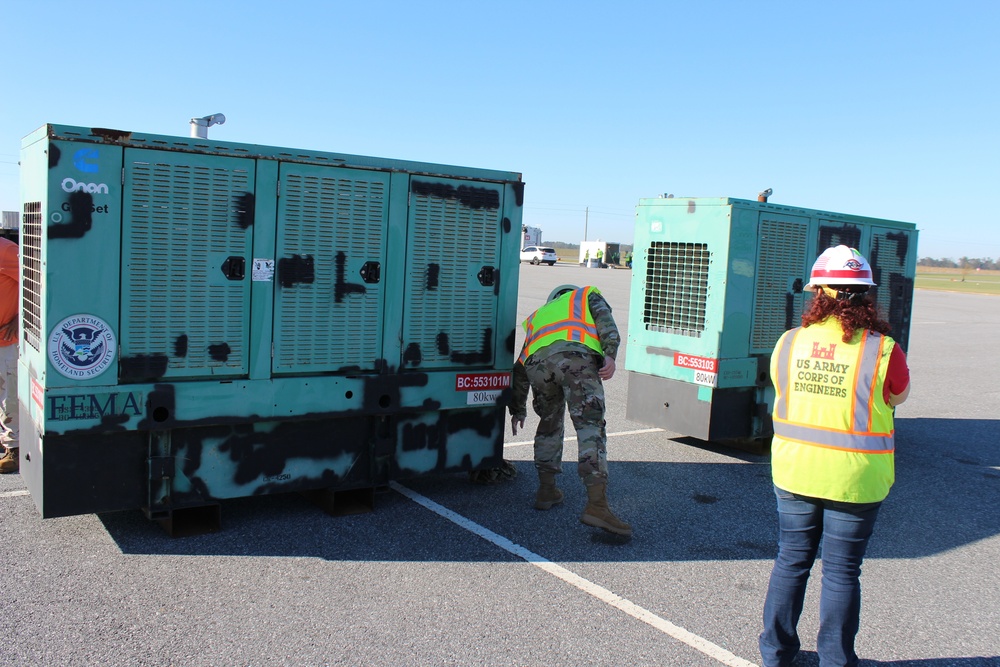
828 273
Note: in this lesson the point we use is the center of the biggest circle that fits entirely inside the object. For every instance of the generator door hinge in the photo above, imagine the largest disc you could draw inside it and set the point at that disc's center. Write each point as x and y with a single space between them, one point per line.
277 189
123 175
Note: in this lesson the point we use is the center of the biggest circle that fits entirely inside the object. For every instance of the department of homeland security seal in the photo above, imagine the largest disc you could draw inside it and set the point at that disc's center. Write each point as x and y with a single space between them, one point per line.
82 347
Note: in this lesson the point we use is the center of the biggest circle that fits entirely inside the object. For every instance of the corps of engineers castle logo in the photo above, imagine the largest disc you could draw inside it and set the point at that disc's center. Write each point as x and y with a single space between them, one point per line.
82 347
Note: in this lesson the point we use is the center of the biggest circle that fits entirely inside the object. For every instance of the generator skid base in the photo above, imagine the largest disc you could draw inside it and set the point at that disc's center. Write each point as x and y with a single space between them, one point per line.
206 320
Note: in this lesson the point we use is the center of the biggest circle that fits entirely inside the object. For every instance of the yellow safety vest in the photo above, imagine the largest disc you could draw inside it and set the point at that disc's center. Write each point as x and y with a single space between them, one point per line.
833 431
566 317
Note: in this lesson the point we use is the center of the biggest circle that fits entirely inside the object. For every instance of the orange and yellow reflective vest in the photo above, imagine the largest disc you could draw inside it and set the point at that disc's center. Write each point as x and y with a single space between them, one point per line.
833 430
566 317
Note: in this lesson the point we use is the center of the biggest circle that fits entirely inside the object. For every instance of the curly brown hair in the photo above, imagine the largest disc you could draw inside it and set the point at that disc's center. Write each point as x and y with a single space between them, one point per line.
855 312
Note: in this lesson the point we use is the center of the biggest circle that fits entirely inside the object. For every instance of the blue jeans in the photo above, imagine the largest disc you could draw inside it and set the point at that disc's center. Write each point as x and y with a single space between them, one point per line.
844 530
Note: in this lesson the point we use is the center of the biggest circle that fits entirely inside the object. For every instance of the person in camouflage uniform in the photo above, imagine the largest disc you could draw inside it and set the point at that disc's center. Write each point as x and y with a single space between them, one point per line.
569 350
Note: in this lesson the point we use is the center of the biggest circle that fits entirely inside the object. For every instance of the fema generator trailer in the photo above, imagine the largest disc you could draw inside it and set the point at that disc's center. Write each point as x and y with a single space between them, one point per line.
206 320
715 282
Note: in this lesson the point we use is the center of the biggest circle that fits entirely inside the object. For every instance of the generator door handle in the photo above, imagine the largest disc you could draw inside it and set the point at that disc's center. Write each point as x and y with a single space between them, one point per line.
487 276
234 268
371 272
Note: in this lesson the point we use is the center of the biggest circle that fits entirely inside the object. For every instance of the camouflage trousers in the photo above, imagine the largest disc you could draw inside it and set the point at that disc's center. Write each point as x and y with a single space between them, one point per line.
569 379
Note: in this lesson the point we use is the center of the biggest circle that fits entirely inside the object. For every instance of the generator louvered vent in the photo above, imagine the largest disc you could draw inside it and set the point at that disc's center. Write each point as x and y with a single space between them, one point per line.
453 237
31 277
676 288
777 307
183 222
337 219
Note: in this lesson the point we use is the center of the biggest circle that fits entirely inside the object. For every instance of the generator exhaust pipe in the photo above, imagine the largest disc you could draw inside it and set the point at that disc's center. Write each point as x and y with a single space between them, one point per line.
762 196
199 126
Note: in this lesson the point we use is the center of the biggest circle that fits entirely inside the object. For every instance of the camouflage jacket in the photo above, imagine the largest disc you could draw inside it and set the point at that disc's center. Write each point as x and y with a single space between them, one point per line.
607 332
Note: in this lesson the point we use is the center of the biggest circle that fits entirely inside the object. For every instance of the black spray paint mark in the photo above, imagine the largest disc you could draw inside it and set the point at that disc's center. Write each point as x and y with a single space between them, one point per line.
141 367
482 422
466 195
54 154
341 287
484 356
81 206
412 355
519 193
181 346
296 269
902 240
506 225
834 235
511 340
220 352
245 210
433 271
791 312
443 344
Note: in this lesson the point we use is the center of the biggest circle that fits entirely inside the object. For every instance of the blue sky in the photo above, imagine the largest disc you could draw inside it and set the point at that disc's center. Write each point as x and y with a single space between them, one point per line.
884 109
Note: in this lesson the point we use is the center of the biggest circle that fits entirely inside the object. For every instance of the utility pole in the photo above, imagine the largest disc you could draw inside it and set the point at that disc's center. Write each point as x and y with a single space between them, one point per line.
586 221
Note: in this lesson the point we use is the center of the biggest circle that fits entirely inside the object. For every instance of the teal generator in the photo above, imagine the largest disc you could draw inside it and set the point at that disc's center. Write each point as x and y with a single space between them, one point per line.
204 320
715 282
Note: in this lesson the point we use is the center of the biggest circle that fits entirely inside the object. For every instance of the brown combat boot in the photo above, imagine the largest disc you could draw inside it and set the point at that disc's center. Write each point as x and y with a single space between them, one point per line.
548 494
10 461
597 514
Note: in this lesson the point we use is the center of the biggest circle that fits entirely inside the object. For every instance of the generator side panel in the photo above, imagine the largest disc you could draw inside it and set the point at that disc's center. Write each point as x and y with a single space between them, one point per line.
891 250
452 286
186 244
70 297
892 253
459 296
677 308
331 270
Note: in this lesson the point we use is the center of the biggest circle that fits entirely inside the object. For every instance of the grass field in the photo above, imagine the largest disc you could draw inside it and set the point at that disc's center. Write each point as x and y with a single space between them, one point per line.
957 280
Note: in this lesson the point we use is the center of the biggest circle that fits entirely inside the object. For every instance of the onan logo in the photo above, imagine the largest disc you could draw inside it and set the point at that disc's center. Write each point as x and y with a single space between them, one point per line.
84 159
71 185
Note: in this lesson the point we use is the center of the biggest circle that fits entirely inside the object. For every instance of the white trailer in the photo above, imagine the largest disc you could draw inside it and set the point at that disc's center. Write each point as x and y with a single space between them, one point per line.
610 253
531 236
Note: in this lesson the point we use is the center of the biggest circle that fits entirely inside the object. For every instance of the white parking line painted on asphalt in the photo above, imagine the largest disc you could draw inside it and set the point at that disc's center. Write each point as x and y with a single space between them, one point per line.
604 595
571 439
12 494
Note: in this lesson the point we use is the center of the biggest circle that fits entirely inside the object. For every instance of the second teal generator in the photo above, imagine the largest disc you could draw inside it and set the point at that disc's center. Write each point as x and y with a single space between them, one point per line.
715 282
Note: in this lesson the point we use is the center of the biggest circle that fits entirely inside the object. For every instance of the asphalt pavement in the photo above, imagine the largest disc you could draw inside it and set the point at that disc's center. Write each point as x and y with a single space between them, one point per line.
444 572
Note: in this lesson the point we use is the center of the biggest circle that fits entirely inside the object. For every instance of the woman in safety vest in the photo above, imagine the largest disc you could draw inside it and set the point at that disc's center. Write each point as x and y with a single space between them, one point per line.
837 379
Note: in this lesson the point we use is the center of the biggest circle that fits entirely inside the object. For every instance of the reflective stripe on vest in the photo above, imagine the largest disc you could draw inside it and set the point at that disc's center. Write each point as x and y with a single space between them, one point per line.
860 438
575 323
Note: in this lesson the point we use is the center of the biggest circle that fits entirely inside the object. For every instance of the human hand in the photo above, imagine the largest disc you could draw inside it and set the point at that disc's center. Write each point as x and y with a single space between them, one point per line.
516 422
607 370
8 331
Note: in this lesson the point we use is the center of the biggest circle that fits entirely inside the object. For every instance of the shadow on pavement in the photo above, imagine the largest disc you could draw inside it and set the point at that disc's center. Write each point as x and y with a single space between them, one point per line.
811 659
679 511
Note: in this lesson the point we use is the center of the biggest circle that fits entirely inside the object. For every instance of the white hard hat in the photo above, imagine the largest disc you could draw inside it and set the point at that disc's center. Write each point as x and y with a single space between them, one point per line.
841 266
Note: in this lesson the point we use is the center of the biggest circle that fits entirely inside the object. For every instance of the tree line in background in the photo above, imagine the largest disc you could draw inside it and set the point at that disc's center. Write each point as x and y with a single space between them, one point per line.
961 263
967 263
